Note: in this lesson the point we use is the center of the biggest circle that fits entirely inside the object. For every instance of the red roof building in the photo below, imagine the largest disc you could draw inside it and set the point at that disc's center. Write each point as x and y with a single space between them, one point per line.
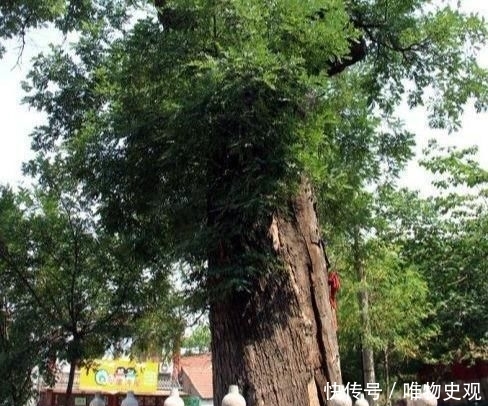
196 376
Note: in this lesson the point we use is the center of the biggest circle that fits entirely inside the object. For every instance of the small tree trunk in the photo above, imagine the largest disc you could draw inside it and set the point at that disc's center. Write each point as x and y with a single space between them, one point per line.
387 375
279 343
367 353
368 370
176 355
71 380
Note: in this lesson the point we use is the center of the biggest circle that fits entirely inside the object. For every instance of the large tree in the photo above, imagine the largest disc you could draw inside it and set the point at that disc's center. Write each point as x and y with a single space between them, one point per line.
202 134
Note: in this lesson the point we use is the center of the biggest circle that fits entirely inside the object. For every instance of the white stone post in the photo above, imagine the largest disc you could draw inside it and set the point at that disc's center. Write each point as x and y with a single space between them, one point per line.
174 399
340 397
233 398
97 400
427 398
362 401
130 400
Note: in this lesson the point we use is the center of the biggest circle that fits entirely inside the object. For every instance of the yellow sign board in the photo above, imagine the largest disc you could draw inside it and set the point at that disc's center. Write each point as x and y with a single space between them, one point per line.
120 376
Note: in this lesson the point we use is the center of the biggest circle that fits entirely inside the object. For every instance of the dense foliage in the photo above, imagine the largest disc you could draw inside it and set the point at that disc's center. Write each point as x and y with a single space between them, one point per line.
181 130
444 237
230 104
78 288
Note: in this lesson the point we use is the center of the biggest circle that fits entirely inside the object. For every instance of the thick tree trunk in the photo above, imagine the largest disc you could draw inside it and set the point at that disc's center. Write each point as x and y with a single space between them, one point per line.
279 343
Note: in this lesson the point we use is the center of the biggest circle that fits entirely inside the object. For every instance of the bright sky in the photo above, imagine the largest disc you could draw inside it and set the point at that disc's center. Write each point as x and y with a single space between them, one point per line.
17 121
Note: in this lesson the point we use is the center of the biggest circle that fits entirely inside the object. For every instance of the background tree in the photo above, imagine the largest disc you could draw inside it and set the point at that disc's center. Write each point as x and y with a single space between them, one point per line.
399 308
198 341
411 319
202 149
21 351
85 286
171 329
159 333
19 355
442 236
367 150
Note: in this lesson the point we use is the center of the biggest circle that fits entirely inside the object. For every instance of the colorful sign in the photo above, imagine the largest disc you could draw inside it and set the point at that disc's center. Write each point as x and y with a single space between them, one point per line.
120 376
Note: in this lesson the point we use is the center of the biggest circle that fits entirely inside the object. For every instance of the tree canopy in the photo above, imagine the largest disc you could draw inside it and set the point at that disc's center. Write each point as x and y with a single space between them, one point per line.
227 90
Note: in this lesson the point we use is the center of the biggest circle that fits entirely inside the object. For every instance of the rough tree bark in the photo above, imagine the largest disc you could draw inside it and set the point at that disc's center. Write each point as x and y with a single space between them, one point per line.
279 344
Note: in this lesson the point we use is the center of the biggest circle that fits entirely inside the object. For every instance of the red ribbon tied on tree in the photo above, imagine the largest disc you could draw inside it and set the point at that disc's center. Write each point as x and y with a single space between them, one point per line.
335 284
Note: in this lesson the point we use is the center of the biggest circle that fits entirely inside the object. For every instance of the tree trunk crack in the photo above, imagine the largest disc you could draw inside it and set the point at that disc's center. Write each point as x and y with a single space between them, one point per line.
315 306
